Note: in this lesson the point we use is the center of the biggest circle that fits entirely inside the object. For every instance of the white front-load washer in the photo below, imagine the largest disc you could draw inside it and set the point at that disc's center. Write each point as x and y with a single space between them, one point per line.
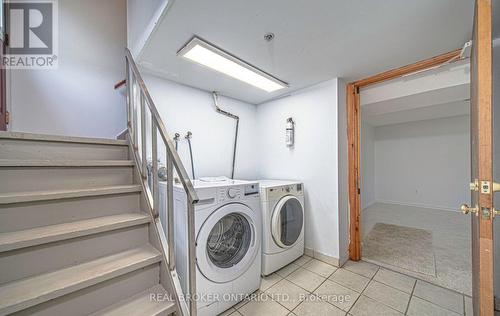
283 223
228 242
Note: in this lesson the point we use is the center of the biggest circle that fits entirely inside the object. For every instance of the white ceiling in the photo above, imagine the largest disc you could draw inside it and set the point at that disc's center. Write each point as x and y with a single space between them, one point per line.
315 40
456 108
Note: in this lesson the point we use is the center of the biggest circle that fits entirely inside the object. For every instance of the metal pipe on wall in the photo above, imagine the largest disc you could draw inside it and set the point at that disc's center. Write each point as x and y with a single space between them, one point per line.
237 118
188 136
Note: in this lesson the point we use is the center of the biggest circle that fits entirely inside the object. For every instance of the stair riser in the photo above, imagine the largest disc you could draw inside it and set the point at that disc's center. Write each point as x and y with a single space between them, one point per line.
35 214
31 261
21 179
26 149
99 296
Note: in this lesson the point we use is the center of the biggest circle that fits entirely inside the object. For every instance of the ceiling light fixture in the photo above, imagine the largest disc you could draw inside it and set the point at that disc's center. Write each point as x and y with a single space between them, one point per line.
208 55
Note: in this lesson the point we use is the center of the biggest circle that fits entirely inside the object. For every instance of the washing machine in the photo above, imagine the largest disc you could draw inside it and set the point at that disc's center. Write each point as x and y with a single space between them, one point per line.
228 223
283 223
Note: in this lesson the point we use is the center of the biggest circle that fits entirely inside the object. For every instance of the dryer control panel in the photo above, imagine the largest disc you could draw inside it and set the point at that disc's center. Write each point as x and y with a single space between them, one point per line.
279 191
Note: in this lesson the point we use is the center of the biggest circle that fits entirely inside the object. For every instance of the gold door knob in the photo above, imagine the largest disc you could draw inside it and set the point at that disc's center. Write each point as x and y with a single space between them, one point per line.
466 209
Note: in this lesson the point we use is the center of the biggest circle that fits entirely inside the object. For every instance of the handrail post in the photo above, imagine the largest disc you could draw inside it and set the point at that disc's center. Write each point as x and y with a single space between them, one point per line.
138 99
155 183
143 138
134 114
127 82
191 257
170 211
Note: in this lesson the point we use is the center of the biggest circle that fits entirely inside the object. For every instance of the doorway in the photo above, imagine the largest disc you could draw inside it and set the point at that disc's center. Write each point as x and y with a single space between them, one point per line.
483 128
415 171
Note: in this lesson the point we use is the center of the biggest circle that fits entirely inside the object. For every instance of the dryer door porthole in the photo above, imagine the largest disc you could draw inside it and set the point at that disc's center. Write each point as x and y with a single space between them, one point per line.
287 221
227 243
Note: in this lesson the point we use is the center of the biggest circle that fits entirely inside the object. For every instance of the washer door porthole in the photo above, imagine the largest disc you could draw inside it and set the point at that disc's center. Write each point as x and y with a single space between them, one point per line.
229 240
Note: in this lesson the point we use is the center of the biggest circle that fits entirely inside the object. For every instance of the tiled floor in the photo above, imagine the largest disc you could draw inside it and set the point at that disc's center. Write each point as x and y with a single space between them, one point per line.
311 287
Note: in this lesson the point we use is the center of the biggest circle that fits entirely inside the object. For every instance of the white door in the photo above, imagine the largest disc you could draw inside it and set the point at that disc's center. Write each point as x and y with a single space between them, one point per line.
227 243
287 221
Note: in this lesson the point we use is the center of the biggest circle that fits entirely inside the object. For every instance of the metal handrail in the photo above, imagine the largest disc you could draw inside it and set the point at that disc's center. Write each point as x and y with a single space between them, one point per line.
134 79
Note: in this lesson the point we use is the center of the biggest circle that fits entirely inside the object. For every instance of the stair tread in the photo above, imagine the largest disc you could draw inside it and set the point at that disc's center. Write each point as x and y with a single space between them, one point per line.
63 139
141 304
29 196
28 292
64 163
51 233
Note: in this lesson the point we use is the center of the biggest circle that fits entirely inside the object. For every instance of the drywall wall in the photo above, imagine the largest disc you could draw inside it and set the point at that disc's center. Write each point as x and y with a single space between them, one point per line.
76 99
425 163
186 109
343 173
367 155
313 160
140 15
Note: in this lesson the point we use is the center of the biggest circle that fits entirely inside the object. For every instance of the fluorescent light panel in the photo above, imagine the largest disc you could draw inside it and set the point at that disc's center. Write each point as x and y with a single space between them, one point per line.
207 55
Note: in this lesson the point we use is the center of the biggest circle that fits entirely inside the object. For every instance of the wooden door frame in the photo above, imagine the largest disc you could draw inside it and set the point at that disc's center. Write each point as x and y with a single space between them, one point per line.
482 140
353 135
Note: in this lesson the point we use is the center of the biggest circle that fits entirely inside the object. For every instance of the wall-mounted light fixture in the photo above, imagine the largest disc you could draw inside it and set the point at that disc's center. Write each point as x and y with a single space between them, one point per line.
210 56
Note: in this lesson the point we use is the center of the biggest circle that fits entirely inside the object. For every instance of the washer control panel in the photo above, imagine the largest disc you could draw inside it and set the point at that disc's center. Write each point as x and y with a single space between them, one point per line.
237 192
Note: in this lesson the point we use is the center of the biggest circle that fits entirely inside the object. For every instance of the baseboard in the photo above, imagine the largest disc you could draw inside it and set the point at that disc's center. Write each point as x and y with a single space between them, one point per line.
434 207
369 204
322 257
122 135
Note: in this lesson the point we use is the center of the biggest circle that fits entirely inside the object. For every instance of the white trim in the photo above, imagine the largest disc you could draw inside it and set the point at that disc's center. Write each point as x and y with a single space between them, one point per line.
151 29
496 42
433 207
369 204
322 257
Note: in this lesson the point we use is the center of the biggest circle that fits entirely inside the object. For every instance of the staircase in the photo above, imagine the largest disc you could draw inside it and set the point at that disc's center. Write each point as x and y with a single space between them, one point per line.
76 236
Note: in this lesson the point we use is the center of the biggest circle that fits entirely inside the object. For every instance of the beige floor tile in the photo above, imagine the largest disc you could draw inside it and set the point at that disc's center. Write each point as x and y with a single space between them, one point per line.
366 306
302 260
313 306
248 298
268 281
305 279
396 280
287 294
363 268
319 267
440 296
264 306
468 306
387 295
420 307
286 270
337 295
349 279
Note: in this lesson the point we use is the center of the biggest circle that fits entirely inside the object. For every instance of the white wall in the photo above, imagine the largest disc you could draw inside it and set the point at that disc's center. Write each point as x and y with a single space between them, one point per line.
367 157
343 173
423 163
140 14
313 160
76 99
186 109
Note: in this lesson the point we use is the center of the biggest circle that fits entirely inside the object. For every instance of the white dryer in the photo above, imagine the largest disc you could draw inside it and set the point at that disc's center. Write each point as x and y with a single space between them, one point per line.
283 219
228 242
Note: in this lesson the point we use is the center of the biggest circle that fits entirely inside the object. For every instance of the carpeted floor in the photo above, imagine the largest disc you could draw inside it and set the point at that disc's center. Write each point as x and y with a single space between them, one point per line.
450 243
401 247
